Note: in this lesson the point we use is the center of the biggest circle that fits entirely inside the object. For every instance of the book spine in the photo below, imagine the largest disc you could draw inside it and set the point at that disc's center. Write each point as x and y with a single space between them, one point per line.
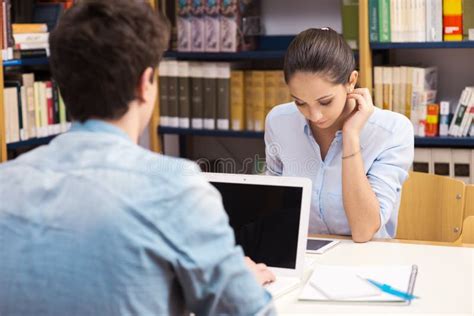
237 100
197 25
258 79
184 94
210 96
373 21
384 21
24 115
183 21
212 26
50 107
223 96
452 20
444 110
173 109
197 90
432 120
249 101
163 89
467 18
57 121
459 113
350 22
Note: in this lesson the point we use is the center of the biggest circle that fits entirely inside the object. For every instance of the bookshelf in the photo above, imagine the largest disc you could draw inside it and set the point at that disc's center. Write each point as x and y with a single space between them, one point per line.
30 142
26 62
444 142
18 63
425 45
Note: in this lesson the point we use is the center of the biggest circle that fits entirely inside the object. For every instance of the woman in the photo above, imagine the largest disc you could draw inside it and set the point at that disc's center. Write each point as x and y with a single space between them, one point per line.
357 155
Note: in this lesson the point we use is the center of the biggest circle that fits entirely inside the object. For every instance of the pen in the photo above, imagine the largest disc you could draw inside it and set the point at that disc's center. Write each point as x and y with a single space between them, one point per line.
390 290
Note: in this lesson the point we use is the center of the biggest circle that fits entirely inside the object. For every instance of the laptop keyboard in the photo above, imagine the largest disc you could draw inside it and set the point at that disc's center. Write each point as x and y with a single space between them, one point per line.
282 285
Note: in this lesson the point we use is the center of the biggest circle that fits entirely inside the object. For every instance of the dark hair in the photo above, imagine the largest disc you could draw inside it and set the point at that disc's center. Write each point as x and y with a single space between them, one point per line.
321 51
99 50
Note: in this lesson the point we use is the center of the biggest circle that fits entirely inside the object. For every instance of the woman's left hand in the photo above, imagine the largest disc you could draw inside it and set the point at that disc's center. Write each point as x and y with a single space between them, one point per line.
361 113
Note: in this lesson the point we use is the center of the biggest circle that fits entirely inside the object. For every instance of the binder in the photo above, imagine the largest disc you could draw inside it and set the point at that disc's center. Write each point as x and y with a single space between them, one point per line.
422 161
442 162
462 164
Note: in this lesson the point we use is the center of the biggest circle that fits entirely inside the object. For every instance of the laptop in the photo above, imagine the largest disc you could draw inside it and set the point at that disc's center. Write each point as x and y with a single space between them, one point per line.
269 216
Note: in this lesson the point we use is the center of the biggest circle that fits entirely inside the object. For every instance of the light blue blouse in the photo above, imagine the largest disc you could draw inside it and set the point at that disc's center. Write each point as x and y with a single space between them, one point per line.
387 148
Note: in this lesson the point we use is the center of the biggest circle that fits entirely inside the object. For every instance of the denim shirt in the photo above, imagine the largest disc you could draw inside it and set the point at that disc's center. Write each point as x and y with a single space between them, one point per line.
92 224
387 149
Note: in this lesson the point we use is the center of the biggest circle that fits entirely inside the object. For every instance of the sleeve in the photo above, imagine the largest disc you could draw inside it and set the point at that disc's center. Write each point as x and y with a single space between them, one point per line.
209 266
387 175
272 150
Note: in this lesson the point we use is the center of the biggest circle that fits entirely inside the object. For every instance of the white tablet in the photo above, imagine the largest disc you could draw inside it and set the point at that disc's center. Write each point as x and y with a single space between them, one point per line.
319 245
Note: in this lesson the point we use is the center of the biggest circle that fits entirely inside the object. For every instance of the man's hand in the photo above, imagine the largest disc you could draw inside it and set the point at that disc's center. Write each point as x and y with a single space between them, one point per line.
260 271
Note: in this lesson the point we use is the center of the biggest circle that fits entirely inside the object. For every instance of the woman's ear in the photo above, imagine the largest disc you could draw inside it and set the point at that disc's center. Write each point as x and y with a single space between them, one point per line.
353 81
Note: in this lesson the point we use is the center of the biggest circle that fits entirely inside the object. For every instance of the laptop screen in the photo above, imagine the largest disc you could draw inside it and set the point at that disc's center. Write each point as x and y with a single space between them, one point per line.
265 220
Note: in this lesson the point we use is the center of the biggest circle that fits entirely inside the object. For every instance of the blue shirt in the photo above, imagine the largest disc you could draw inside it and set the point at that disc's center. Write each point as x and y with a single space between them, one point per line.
387 148
92 224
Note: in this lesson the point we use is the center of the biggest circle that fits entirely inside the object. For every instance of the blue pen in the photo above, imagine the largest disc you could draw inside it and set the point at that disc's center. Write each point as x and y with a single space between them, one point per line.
390 290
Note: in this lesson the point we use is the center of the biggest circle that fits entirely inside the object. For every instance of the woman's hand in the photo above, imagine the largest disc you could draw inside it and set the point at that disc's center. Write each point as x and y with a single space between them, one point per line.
361 113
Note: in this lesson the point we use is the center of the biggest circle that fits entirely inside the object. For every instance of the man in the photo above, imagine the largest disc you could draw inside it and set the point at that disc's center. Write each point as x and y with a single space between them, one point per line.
92 224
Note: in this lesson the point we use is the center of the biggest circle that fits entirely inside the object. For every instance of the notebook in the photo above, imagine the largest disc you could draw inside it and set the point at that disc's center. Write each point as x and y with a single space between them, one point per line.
349 284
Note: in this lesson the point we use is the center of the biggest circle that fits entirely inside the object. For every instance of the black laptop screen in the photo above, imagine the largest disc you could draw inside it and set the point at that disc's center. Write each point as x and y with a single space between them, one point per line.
265 220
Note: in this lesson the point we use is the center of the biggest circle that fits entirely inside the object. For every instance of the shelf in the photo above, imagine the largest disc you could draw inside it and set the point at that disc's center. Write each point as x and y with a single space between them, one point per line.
26 62
452 142
421 45
206 132
445 141
277 54
269 47
30 142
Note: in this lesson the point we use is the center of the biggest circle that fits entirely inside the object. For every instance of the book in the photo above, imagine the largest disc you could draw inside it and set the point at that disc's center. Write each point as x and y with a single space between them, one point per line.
28 28
223 96
210 95
461 108
444 110
258 83
467 18
350 283
432 115
197 89
373 21
387 83
237 100
183 21
434 20
197 25
384 21
350 22
184 94
239 25
173 96
378 87
12 129
212 26
452 20
163 91
249 101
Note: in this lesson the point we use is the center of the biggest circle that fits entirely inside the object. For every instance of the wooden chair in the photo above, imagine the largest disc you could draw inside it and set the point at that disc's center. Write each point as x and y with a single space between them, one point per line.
431 208
467 232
